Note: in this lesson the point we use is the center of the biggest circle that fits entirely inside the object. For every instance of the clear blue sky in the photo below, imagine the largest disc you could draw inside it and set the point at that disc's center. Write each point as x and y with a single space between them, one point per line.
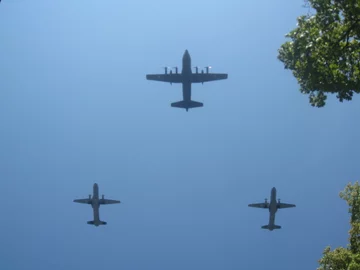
75 109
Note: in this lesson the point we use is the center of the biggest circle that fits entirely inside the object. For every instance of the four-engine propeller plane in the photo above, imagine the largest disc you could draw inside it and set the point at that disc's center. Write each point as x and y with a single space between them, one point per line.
186 77
273 206
95 202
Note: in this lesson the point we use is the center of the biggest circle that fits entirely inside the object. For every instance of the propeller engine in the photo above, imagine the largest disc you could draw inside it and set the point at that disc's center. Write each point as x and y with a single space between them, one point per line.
197 69
103 197
278 201
166 69
266 200
89 196
207 69
176 69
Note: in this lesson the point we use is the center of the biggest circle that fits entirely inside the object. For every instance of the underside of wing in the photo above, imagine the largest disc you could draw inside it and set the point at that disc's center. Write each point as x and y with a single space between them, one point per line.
285 205
207 77
170 78
107 201
87 201
259 205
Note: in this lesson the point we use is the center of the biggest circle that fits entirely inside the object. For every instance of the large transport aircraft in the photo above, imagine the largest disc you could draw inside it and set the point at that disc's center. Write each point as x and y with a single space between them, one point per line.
273 206
95 202
186 77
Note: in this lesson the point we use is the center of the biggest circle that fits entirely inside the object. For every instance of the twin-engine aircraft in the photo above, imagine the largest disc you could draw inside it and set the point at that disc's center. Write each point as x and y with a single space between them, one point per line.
273 206
186 77
95 202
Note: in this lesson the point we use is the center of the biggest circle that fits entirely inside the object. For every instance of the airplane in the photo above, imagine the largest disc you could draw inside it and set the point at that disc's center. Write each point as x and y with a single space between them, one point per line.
186 77
273 206
95 202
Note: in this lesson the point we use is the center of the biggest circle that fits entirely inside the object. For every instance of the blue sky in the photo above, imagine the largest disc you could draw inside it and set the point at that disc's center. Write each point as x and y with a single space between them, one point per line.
75 109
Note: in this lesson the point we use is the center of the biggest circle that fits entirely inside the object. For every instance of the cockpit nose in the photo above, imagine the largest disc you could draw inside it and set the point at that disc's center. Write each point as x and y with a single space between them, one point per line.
186 54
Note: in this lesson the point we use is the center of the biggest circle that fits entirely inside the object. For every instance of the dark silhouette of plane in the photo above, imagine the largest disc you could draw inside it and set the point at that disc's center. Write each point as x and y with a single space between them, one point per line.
186 77
95 203
273 206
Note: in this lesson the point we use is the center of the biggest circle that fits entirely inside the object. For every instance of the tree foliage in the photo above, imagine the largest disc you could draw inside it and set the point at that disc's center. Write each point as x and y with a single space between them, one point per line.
324 51
346 258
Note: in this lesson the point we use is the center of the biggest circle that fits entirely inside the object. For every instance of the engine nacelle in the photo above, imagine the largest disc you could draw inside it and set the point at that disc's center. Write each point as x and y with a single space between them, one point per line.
166 70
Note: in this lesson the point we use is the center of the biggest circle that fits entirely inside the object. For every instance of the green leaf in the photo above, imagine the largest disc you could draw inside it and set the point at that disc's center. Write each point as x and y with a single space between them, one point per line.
324 51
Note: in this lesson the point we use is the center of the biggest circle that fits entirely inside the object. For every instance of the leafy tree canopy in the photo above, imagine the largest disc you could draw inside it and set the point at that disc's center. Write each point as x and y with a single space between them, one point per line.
346 258
324 51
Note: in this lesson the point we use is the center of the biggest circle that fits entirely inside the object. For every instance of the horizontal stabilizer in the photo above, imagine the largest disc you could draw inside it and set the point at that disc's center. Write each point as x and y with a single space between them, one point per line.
271 228
93 223
187 104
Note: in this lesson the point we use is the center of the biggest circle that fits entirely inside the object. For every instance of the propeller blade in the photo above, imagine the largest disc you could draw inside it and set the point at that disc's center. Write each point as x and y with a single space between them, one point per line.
176 69
207 69
196 69
166 69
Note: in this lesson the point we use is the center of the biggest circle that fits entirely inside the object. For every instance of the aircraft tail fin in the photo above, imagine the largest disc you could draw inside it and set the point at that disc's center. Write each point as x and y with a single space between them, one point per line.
187 104
271 228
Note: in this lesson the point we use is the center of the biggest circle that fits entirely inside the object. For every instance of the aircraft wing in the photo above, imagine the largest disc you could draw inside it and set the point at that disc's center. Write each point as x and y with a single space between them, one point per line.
107 201
87 201
170 77
207 77
259 205
285 205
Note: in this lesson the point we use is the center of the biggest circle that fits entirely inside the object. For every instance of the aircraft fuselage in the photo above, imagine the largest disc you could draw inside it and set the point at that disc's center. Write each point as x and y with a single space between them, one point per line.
186 75
96 205
272 208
